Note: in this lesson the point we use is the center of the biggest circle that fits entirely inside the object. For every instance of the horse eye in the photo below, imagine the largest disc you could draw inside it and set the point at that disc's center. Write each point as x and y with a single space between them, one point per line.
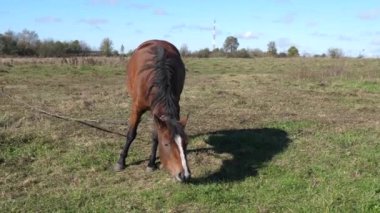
166 144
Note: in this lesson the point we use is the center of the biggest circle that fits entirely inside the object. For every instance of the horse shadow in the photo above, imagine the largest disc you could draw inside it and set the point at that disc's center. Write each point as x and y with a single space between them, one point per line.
251 149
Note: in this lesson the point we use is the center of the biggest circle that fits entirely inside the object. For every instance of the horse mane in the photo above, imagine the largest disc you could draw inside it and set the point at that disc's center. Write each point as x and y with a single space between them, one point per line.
164 69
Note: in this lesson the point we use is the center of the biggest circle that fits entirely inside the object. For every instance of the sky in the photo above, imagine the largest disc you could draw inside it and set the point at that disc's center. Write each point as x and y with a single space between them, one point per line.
312 26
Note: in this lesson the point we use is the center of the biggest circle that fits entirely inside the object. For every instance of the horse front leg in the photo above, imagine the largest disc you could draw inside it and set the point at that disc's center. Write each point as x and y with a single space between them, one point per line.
134 121
152 158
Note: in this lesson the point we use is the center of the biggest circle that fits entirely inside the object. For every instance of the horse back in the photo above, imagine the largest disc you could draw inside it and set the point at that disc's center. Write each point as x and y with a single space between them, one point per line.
141 71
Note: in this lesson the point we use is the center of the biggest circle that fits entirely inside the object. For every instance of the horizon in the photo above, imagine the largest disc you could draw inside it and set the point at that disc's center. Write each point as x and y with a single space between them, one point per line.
313 27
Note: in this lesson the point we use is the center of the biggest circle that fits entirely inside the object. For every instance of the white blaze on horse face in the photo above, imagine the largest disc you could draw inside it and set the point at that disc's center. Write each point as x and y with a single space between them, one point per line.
178 141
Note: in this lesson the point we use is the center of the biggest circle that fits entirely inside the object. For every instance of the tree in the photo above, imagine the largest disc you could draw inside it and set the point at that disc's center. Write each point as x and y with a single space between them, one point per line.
335 53
8 43
272 50
122 49
106 47
59 48
231 44
293 52
2 45
202 53
84 47
184 50
74 47
27 42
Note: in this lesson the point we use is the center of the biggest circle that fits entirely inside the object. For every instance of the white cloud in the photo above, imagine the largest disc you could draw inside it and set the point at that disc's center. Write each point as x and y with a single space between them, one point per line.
139 6
284 43
160 12
248 35
282 1
142 6
109 2
369 14
94 22
319 34
376 42
345 38
312 24
192 27
48 19
286 19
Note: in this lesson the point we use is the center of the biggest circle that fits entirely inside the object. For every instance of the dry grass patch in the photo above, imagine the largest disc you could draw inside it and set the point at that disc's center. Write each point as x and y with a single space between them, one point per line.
266 135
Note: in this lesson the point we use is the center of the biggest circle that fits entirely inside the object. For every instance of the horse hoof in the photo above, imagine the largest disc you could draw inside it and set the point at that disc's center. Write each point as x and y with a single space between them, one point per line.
118 167
150 168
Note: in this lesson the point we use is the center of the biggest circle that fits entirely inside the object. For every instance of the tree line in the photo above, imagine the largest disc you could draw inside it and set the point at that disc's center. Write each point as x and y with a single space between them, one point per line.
230 49
27 43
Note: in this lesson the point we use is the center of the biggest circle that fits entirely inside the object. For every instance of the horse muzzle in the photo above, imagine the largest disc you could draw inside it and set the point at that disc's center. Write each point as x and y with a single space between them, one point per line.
183 176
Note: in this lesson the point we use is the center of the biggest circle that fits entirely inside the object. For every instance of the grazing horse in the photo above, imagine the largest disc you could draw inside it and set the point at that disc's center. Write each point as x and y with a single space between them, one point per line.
155 79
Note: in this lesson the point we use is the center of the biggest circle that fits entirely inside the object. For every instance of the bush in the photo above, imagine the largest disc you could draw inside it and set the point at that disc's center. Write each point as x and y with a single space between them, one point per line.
217 52
203 53
257 53
335 53
293 52
282 55
243 53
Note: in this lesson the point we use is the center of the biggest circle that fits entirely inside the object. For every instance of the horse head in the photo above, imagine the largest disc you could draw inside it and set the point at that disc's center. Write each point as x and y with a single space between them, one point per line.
172 145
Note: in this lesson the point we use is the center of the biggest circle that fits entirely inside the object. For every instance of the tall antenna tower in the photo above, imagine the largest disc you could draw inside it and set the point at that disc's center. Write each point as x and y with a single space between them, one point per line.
214 36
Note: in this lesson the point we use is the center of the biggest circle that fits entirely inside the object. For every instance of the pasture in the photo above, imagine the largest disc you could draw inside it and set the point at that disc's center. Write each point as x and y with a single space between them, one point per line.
266 135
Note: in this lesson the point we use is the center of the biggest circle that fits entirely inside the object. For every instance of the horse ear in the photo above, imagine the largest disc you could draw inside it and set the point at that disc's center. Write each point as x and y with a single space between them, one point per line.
160 120
164 118
183 120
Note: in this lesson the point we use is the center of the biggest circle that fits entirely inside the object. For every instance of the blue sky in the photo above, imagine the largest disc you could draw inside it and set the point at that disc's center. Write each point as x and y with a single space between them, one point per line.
312 26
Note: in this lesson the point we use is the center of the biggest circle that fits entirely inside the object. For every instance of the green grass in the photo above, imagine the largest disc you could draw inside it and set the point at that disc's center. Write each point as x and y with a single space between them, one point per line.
266 135
352 85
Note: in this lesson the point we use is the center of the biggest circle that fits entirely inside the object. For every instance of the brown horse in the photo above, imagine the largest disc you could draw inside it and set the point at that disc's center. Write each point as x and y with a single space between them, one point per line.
155 79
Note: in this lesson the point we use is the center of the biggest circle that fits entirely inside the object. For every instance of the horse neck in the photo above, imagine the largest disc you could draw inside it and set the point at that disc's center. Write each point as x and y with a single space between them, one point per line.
160 109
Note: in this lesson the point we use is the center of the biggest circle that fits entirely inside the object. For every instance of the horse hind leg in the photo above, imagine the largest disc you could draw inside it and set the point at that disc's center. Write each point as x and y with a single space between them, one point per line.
131 135
152 158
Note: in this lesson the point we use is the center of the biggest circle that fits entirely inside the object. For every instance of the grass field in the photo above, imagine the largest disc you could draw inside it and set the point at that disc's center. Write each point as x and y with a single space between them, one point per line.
267 135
